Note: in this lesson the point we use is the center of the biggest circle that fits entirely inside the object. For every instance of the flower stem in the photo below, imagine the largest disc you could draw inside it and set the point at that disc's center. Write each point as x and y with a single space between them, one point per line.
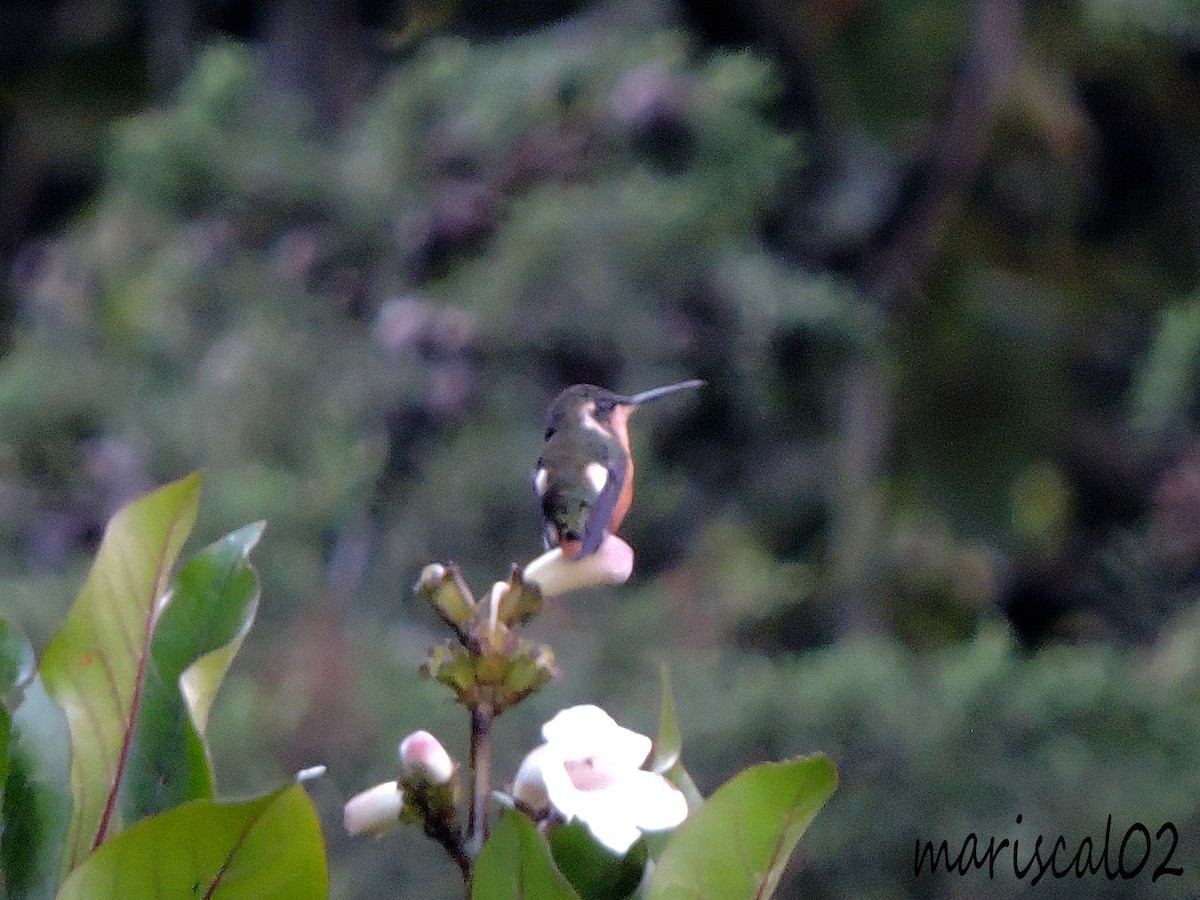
481 765
449 839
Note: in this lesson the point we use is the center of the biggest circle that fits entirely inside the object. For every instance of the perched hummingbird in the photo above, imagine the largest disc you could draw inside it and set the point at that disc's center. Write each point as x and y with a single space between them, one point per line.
584 476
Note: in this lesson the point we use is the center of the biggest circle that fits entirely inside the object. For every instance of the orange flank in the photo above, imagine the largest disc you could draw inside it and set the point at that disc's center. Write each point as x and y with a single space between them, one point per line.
620 427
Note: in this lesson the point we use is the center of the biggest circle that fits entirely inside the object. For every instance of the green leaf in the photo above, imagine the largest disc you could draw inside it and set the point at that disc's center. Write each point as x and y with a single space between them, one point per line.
515 864
17 665
37 798
738 843
95 666
201 680
667 759
679 777
17 662
269 847
5 730
594 871
668 746
197 635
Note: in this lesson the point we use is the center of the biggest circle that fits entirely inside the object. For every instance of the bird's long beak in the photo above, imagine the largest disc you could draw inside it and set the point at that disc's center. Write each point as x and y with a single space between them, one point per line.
654 393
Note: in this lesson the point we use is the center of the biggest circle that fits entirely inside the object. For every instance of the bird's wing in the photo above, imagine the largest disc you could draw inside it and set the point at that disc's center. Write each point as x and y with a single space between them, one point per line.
600 512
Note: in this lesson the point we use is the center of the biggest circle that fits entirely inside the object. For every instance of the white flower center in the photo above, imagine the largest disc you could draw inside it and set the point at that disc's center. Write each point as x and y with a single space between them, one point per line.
585 776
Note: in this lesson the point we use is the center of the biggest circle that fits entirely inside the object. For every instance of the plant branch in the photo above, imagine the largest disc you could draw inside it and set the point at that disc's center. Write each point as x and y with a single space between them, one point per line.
955 151
452 844
481 765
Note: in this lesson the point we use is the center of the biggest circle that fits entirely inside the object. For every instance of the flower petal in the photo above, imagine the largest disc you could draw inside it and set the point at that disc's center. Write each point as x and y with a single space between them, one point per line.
374 810
555 574
607 817
650 801
613 831
585 731
542 781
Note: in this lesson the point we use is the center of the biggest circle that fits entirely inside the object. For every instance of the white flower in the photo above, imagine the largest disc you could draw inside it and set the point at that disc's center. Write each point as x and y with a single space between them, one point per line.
422 752
374 810
555 574
590 768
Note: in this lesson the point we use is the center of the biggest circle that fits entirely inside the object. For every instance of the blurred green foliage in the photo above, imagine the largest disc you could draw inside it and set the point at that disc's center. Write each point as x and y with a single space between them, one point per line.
964 740
316 321
1163 393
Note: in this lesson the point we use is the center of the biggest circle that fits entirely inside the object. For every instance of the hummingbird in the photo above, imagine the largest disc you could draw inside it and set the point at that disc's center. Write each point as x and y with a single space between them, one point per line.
584 476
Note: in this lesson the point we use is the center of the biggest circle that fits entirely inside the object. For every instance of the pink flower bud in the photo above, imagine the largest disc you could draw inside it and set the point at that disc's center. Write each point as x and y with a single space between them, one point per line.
421 752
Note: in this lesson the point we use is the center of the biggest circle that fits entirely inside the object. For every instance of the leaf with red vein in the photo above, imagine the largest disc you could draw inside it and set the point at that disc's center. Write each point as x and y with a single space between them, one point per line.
269 847
95 666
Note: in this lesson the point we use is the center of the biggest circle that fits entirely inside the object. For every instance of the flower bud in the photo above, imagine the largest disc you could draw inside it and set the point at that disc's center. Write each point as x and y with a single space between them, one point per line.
555 574
532 667
421 752
496 633
529 785
375 810
443 587
521 602
432 574
311 773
